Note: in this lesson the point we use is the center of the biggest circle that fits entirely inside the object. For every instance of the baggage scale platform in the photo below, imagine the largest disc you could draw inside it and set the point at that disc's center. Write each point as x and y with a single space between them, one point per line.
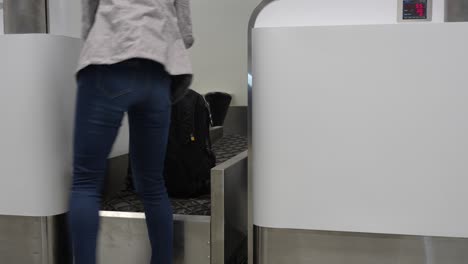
207 230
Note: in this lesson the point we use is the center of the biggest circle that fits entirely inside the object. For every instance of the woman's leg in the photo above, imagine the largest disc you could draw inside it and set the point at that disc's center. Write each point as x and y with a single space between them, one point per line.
149 128
97 121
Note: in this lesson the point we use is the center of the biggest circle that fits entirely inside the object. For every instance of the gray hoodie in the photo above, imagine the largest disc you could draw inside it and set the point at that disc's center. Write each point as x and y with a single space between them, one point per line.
159 30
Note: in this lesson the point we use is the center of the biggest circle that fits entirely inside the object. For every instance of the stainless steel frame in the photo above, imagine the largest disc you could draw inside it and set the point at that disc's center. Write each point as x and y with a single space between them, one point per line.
229 209
25 16
456 10
124 239
34 240
252 21
284 246
216 239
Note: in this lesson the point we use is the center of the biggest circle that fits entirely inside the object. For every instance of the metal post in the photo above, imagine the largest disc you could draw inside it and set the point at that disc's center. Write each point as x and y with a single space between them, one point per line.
456 10
25 16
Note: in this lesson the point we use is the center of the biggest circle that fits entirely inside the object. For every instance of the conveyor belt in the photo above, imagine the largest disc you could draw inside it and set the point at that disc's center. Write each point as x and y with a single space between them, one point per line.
225 149
228 147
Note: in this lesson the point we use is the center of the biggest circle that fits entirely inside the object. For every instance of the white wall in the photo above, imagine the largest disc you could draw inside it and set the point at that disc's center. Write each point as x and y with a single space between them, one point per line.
220 52
65 17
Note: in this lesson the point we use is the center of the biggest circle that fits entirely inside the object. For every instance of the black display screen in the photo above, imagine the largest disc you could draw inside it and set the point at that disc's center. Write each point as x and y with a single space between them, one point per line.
415 9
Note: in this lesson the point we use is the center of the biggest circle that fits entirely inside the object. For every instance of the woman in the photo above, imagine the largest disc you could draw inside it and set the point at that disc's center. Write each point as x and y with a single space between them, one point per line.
134 60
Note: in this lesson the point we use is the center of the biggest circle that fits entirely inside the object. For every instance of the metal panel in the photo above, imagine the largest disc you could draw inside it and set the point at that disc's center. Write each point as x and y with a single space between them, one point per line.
236 204
55 240
236 121
21 240
217 214
284 246
34 240
216 133
2 28
124 239
229 213
25 16
456 10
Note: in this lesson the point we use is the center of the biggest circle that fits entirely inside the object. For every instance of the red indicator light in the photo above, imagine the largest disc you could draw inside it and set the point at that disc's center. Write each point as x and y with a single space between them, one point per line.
420 10
414 9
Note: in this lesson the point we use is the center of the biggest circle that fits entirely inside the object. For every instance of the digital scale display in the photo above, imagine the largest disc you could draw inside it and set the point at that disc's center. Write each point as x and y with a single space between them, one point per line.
415 9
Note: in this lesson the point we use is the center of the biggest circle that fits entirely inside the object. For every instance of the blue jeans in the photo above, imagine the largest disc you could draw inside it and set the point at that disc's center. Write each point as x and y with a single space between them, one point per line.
105 93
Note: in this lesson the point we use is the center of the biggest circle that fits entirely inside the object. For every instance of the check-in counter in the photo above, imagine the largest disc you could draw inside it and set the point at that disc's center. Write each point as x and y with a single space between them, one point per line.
359 134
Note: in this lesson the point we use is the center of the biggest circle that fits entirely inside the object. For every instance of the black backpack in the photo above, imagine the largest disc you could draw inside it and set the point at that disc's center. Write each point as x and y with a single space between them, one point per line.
189 157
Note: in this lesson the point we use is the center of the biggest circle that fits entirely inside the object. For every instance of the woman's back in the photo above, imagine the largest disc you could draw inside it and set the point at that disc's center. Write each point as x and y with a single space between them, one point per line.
118 30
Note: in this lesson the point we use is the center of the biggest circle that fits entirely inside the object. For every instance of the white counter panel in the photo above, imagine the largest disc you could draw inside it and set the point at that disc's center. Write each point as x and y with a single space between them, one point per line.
361 128
37 107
